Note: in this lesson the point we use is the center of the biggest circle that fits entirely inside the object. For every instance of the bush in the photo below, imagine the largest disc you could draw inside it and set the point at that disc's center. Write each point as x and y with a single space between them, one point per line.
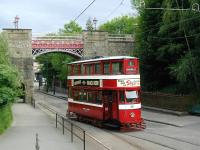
10 82
5 117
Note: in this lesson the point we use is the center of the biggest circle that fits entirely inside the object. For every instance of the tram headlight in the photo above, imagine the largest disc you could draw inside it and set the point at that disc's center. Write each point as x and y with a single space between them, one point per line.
132 114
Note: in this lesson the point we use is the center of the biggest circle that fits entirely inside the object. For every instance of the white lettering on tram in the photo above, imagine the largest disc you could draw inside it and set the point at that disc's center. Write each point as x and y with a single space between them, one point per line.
128 82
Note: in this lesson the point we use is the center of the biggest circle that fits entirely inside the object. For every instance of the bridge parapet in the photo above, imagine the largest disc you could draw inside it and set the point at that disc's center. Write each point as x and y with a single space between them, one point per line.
68 37
104 44
87 44
68 44
121 37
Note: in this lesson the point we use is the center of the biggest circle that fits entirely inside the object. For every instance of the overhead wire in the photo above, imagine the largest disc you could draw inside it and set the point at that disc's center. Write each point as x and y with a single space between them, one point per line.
115 9
178 37
84 10
171 25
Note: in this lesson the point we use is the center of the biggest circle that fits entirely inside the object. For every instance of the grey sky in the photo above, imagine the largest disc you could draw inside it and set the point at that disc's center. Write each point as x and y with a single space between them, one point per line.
48 16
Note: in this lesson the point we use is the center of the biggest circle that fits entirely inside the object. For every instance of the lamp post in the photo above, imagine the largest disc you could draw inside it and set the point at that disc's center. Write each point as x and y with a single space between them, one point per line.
16 21
95 22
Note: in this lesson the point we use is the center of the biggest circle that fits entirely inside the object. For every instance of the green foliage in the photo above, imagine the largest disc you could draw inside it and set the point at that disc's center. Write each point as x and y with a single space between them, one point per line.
152 73
9 77
120 25
54 64
182 69
5 117
167 43
70 28
89 25
9 85
4 58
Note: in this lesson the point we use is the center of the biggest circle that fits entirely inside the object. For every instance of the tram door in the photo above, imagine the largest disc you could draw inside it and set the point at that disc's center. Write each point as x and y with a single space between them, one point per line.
110 105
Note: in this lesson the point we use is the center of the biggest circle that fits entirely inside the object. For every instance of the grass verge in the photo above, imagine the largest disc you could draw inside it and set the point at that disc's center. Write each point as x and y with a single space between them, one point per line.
5 117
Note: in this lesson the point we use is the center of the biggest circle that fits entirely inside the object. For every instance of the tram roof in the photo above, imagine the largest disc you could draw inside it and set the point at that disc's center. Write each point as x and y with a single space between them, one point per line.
102 58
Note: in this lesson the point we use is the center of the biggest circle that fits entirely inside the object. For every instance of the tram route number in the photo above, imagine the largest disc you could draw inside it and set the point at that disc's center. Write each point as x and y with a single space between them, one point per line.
128 82
82 82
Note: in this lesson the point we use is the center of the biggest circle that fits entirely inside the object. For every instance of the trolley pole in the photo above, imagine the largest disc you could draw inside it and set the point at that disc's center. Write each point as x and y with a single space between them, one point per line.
56 120
37 147
84 140
71 132
63 123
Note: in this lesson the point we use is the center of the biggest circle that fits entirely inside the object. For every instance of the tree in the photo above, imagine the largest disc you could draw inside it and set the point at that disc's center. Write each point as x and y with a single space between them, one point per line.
89 25
10 80
54 66
120 25
9 85
70 28
152 71
168 48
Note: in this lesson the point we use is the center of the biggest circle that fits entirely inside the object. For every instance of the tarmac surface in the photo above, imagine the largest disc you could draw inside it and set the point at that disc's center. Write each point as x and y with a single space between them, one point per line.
165 131
29 121
173 118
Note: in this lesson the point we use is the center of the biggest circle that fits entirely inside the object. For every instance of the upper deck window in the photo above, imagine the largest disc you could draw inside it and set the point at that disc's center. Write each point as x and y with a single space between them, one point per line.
76 69
106 68
117 68
69 70
82 69
89 69
97 68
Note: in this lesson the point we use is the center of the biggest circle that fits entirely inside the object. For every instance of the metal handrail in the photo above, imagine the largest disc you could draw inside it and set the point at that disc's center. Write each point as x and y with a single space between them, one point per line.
65 119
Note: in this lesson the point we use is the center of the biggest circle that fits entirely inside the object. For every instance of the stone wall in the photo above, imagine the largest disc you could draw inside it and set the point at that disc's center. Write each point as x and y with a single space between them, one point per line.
168 101
20 50
103 44
120 45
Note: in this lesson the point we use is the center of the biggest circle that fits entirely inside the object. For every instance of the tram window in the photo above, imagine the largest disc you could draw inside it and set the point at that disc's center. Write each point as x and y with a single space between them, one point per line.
82 69
106 68
84 96
80 96
89 69
76 69
69 69
117 68
131 96
97 69
98 97
76 95
121 96
90 97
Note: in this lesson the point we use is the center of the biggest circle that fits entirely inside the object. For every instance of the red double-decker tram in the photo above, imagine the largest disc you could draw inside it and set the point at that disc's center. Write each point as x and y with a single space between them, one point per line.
106 91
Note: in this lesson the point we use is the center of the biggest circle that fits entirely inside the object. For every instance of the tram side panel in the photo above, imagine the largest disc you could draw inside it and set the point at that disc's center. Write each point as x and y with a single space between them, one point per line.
87 110
130 115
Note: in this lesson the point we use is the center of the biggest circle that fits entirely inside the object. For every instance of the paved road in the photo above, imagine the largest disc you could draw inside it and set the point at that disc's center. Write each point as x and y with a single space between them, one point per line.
182 134
29 121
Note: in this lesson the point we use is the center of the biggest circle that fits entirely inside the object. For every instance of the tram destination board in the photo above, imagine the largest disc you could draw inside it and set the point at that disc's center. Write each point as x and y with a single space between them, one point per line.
86 82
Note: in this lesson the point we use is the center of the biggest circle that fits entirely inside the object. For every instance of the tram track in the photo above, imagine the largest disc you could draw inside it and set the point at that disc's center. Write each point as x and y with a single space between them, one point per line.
146 136
142 137
116 135
177 139
128 141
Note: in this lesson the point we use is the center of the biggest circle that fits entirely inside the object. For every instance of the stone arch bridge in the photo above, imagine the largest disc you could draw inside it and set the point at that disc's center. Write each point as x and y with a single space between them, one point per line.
72 45
23 47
